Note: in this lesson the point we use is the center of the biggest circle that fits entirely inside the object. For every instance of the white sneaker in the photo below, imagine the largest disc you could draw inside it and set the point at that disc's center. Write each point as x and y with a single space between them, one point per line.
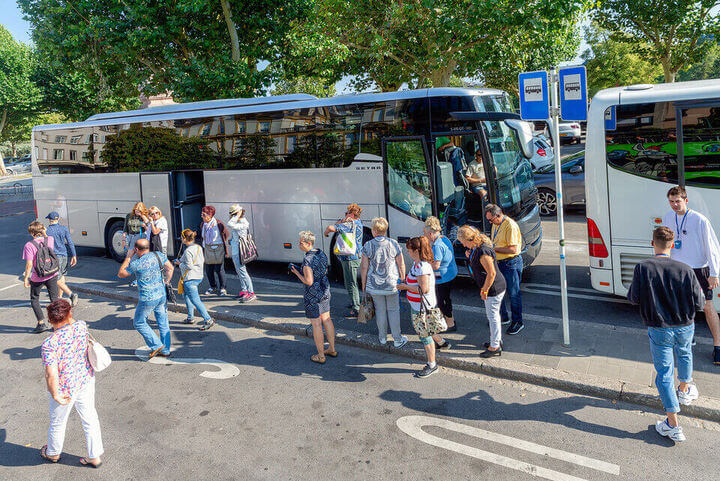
223 292
403 340
383 342
210 292
664 429
688 397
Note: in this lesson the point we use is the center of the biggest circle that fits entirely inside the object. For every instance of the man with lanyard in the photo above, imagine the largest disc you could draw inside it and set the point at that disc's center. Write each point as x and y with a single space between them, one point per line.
507 241
697 246
351 224
669 295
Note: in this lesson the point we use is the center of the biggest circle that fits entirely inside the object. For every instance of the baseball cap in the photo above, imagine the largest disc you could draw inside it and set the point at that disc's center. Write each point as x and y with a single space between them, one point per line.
440 141
53 216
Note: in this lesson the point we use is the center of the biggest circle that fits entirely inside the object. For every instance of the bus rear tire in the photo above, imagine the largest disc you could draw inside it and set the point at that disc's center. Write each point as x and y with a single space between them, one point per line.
113 241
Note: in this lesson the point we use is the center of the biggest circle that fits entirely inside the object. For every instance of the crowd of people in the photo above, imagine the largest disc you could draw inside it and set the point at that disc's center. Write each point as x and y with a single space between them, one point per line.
669 288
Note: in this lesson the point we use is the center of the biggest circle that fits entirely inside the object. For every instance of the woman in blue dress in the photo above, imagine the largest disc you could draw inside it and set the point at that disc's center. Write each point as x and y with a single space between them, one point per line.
317 295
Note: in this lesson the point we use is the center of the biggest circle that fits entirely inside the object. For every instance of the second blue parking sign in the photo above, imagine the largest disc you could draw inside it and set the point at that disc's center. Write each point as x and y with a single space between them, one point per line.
573 93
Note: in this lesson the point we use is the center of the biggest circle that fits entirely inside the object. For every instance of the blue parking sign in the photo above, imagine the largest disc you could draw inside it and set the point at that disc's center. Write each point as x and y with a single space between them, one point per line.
534 98
610 118
573 93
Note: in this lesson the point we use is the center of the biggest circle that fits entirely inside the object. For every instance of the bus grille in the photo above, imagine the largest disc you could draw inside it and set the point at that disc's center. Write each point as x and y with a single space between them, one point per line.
627 266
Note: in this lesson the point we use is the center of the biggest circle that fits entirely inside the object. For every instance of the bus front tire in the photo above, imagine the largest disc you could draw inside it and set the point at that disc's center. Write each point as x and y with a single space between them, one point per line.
113 241
547 202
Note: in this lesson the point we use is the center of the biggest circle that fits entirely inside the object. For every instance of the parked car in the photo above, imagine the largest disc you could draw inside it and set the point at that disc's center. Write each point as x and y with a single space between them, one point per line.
573 181
543 155
19 167
570 132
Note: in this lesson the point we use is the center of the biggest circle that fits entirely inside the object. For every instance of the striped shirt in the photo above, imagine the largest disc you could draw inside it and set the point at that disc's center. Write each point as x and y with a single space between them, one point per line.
419 269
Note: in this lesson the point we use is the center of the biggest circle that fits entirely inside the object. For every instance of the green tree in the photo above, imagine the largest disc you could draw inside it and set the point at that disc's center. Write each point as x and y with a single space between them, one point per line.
672 33
386 43
610 62
316 86
708 67
196 49
20 98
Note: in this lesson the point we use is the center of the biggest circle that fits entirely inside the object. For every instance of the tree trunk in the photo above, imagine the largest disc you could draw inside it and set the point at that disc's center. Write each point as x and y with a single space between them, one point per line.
441 77
234 42
668 72
13 148
3 119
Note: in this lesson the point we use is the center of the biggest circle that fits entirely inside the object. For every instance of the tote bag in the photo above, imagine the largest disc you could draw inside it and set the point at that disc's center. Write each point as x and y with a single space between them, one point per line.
98 356
247 250
345 242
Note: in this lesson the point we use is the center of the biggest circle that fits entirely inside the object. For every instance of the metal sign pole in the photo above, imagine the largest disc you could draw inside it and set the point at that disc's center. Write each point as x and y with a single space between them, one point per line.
555 116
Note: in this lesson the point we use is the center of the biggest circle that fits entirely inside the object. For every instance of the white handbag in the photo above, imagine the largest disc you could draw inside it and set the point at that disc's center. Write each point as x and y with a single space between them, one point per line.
98 356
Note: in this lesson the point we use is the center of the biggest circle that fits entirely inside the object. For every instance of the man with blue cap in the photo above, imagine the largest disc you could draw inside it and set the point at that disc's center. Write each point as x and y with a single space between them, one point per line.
63 247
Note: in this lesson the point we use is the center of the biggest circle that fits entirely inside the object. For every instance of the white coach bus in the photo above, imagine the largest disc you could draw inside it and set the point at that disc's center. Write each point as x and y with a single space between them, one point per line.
294 162
641 141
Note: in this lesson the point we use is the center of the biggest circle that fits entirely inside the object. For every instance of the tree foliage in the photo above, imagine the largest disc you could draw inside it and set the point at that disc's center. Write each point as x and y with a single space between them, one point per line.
672 33
611 63
196 49
386 43
708 67
316 86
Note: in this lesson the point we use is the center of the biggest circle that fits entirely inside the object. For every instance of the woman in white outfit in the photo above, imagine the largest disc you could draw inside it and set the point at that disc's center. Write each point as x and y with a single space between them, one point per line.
157 228
70 382
381 267
240 228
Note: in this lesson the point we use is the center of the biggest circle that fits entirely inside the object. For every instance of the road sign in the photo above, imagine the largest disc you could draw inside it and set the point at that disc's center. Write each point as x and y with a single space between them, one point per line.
573 93
534 98
610 118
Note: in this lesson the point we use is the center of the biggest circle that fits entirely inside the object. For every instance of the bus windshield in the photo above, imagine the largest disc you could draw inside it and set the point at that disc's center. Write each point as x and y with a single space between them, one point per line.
515 186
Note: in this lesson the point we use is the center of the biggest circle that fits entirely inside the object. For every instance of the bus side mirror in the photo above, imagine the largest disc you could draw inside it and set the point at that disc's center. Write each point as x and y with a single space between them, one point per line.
524 131
445 182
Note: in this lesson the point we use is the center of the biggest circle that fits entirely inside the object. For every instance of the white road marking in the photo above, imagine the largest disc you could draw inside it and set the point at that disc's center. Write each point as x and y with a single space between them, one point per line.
8 287
576 296
412 426
556 286
225 369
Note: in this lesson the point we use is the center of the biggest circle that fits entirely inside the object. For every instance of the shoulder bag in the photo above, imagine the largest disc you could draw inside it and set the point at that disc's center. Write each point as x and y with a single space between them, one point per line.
345 242
169 292
98 356
247 250
428 322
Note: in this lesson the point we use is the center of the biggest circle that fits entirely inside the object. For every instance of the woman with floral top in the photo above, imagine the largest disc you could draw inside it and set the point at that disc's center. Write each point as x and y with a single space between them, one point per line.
70 382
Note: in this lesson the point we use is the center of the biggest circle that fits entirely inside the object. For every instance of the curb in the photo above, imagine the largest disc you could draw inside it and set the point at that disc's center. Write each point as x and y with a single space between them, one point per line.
584 384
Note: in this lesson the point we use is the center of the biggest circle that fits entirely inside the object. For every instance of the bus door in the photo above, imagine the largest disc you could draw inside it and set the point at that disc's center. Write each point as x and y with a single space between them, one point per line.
408 186
155 190
465 154
188 198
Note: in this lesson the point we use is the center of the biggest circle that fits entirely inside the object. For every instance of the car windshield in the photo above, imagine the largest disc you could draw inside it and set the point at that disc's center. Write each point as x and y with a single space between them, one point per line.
567 163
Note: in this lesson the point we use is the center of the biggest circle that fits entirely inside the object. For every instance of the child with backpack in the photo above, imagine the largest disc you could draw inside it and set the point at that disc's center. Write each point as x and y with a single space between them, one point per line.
41 269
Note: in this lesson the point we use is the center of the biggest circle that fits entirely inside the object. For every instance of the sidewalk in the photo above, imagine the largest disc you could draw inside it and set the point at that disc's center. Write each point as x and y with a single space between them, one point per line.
611 362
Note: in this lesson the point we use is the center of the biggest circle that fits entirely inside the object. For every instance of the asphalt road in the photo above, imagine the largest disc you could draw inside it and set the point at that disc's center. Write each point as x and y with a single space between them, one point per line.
261 410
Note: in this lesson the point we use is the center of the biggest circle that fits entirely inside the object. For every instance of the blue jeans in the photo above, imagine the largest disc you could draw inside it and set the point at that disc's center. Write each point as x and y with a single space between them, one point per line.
192 299
246 284
663 341
142 312
512 272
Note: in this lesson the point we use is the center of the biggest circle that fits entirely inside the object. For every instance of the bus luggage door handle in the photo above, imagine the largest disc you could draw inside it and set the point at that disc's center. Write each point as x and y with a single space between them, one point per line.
403 240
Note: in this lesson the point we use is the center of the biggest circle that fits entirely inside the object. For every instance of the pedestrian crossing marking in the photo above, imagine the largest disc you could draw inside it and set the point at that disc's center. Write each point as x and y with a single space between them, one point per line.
225 369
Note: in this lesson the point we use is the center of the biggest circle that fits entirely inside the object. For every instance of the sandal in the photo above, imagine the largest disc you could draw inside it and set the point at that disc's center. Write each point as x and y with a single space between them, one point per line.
43 454
331 353
87 463
317 358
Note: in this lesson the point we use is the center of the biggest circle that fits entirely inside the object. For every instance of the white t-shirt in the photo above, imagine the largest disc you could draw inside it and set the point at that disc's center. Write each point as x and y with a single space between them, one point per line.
475 170
419 269
699 245
162 224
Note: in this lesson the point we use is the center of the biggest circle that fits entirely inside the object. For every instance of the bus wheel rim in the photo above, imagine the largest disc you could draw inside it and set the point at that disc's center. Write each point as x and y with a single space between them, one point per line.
547 202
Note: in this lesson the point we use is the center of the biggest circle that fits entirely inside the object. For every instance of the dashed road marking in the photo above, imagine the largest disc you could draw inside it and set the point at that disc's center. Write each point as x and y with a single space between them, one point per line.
412 426
225 369
9 287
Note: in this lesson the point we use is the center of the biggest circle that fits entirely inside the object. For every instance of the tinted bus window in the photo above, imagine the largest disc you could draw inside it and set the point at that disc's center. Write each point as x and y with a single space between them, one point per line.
701 145
644 141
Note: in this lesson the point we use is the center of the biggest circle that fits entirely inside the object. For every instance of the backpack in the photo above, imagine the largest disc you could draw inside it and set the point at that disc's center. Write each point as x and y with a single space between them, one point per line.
46 262
345 242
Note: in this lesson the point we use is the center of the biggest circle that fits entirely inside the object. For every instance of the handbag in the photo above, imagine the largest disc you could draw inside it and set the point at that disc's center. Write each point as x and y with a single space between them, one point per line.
155 242
247 250
428 322
169 292
98 356
367 309
214 254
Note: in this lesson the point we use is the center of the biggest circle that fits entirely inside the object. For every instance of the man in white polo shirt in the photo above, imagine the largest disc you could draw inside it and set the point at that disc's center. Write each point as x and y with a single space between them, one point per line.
697 246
